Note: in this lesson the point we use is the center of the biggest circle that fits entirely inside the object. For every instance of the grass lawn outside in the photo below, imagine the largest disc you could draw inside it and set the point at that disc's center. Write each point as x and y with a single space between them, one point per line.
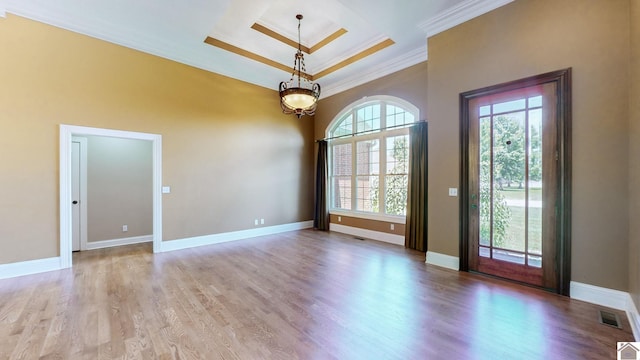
516 230
518 194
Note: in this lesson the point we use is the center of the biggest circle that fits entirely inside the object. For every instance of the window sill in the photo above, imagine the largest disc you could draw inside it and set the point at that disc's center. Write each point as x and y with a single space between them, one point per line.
396 219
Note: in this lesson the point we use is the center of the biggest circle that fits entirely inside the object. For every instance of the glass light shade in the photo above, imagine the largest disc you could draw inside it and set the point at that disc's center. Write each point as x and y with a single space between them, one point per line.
298 98
301 99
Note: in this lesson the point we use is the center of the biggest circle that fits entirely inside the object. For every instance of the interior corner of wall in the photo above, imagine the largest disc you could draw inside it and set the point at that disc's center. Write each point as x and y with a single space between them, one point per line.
3 8
634 317
443 260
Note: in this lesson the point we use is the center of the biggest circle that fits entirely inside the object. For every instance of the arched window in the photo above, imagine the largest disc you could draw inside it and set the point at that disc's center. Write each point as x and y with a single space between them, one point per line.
368 157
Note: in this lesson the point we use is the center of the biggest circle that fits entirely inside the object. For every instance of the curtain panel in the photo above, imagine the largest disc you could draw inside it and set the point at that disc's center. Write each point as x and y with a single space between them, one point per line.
321 212
416 227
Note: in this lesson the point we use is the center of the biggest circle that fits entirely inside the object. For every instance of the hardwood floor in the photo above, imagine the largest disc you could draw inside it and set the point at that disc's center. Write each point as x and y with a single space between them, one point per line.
298 295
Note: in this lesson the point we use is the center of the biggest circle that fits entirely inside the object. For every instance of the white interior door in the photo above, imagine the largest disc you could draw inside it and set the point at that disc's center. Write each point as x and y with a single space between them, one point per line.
78 194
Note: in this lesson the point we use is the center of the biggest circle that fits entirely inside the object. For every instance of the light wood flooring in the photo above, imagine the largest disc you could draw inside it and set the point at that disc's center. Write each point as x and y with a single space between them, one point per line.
297 295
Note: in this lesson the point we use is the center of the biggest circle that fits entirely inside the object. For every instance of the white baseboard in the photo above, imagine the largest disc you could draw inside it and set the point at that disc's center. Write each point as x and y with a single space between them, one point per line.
29 267
368 234
118 242
232 236
615 299
634 317
442 260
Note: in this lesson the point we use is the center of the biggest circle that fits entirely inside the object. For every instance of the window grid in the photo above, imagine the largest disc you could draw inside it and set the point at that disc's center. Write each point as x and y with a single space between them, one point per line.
396 194
376 182
342 199
519 113
341 173
345 127
368 118
368 171
397 178
397 154
397 116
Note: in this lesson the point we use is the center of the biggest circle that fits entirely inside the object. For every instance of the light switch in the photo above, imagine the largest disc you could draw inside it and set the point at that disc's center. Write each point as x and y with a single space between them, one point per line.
166 189
453 191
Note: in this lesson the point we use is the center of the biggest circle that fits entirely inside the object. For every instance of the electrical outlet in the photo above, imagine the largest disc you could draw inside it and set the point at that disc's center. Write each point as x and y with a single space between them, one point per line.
339 218
453 191
393 227
125 228
261 221
255 222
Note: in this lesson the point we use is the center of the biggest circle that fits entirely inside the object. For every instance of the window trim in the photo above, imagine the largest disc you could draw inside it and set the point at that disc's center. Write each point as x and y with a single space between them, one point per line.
392 100
380 135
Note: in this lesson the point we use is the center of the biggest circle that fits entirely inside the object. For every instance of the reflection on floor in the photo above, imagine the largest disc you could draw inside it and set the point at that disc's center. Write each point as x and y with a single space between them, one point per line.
297 295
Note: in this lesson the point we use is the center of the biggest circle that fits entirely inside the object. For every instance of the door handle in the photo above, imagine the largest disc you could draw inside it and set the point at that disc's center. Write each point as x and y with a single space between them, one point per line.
74 202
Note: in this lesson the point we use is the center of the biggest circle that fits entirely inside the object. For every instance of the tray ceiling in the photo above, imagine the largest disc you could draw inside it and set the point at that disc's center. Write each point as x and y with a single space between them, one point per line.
346 42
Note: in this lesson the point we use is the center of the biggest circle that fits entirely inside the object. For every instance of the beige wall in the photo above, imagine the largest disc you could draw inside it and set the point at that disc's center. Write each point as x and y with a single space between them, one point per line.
226 162
119 188
375 225
634 155
408 84
527 38
522 39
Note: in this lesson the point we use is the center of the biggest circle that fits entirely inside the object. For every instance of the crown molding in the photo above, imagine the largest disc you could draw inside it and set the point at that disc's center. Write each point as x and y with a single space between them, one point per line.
459 14
445 20
199 58
408 59
112 34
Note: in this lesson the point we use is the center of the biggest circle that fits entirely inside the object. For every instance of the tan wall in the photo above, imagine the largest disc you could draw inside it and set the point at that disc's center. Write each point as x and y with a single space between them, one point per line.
375 225
119 188
227 162
634 155
527 38
408 84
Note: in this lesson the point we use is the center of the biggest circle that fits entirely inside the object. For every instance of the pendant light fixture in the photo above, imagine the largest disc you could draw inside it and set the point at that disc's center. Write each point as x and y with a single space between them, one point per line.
299 95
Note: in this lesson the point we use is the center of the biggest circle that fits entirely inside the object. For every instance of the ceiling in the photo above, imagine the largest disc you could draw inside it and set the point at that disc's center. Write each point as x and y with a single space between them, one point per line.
349 42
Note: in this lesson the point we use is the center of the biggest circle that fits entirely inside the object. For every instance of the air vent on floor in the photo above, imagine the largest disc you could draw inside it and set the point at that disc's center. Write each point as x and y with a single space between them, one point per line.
609 318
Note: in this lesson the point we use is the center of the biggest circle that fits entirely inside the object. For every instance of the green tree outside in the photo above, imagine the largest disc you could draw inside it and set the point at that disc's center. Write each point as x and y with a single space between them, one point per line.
396 179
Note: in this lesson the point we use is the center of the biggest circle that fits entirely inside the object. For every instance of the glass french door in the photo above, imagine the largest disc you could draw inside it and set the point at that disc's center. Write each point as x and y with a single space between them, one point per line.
513 181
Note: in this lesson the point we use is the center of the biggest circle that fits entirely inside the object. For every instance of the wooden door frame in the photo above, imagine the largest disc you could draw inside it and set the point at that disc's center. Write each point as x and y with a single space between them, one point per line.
562 79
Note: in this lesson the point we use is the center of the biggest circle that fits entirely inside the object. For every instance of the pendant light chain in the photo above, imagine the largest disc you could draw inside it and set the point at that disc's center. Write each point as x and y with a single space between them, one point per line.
299 97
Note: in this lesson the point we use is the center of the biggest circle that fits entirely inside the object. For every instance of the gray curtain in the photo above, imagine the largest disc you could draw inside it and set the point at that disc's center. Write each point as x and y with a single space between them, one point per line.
416 228
321 213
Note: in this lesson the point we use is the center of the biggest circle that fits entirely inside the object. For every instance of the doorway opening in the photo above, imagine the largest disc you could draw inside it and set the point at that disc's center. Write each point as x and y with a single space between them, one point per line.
67 133
515 181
